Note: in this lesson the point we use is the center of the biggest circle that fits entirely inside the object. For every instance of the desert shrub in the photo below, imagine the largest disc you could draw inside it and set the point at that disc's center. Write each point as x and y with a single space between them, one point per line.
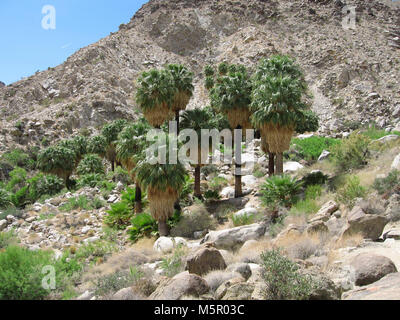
11 211
242 220
17 179
280 191
119 216
311 148
305 206
5 169
217 277
90 180
388 184
259 171
91 163
8 238
350 191
114 282
374 133
97 145
82 202
210 169
313 191
211 195
41 185
4 199
120 175
98 203
313 178
195 219
21 273
18 158
352 153
217 183
283 279
142 225
175 263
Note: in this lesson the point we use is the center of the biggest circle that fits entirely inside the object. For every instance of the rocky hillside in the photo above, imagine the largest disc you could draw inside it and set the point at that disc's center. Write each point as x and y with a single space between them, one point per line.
353 74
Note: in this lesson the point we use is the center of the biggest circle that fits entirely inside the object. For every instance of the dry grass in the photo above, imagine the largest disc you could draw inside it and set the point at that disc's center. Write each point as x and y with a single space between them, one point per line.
217 277
278 138
161 202
351 240
252 251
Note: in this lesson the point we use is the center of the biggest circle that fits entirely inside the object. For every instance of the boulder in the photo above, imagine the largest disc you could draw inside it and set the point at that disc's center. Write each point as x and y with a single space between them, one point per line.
326 211
180 285
233 238
387 288
239 291
249 180
250 211
292 166
324 155
392 234
204 261
241 268
388 138
369 225
396 163
370 267
223 288
317 227
167 244
128 294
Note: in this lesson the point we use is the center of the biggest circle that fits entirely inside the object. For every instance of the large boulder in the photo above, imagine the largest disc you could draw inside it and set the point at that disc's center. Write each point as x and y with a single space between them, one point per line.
369 225
326 211
396 163
180 285
233 238
204 261
371 267
167 244
128 294
387 288
292 166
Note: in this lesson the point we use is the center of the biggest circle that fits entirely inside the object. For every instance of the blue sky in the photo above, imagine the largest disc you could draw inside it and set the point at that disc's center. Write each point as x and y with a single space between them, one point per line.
27 47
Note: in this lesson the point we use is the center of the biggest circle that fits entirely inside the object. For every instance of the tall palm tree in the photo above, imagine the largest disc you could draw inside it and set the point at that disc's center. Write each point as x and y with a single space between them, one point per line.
277 107
183 82
155 96
163 183
110 132
231 96
131 142
197 119
275 66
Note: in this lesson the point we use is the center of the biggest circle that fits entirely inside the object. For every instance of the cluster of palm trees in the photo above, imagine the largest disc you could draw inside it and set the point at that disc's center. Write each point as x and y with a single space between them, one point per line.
269 100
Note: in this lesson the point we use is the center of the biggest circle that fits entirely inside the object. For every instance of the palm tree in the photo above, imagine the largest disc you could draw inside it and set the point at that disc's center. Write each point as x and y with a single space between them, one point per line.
183 82
155 96
57 160
97 145
131 142
277 103
231 96
110 132
197 119
163 183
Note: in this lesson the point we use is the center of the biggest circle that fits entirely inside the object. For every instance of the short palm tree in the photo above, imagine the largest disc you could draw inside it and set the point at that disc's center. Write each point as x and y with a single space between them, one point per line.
163 183
231 96
183 82
97 145
277 103
197 119
110 132
57 160
131 142
155 96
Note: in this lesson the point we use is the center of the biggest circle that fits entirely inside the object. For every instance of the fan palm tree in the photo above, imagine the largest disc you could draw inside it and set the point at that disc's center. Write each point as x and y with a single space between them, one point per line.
97 145
198 119
231 96
57 160
163 183
110 132
131 142
155 96
183 82
277 107
278 66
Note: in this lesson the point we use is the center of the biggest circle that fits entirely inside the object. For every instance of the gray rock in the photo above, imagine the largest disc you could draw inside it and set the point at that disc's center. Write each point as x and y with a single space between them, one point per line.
371 267
204 261
242 268
326 211
128 294
324 155
87 295
3 224
396 163
392 234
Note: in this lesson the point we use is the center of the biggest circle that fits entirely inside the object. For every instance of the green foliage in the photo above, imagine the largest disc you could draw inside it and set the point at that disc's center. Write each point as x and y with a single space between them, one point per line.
311 148
81 202
4 199
21 273
388 184
242 220
283 279
374 133
280 191
119 216
90 180
142 225
110 131
175 263
211 195
313 178
350 191
309 204
119 175
223 68
17 179
209 71
18 158
7 239
352 153
97 145
57 160
91 163
309 122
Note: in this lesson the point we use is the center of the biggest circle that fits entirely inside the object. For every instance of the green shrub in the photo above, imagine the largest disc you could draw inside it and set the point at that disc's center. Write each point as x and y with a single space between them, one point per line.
175 263
306 206
120 175
311 148
90 180
217 184
142 225
283 279
211 195
41 185
7 239
91 163
119 216
280 191
388 184
195 219
313 192
352 153
350 191
21 273
11 210
314 178
4 199
18 158
242 220
81 202
374 133
17 179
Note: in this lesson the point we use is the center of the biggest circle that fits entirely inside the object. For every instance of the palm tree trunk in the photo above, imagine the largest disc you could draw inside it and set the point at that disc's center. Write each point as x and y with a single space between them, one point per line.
279 163
138 199
197 190
271 163
238 167
112 165
163 229
177 120
238 183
